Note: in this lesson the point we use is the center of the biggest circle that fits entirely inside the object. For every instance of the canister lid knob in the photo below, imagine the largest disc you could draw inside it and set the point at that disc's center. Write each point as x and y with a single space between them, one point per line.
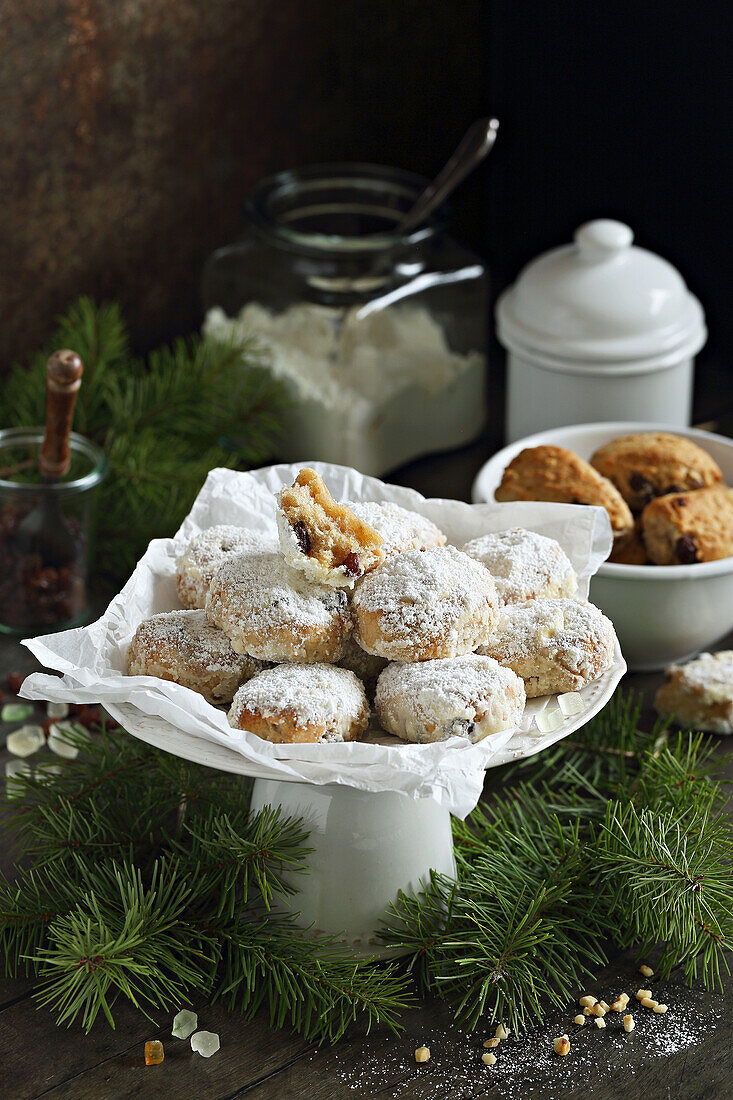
602 238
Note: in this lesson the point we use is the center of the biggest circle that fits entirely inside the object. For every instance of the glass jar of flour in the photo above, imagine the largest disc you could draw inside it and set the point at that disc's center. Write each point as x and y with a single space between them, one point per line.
379 337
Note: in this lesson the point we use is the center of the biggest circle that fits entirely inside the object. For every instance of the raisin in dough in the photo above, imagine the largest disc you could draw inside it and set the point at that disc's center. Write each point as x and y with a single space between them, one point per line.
684 528
652 464
325 540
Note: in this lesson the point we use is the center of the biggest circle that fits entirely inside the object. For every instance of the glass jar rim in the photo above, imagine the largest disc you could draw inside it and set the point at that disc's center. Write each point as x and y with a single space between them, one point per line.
14 437
397 181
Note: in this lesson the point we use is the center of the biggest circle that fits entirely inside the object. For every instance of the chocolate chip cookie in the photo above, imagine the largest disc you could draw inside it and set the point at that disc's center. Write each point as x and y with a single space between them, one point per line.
654 464
556 474
684 528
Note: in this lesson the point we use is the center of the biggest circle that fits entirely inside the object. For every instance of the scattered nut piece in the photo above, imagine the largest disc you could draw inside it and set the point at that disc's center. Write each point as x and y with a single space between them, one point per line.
587 1011
600 1022
660 1008
502 1032
649 1003
629 1024
488 1059
646 971
604 1006
587 1002
620 1003
561 1045
598 1010
491 1043
422 1054
579 1020
642 993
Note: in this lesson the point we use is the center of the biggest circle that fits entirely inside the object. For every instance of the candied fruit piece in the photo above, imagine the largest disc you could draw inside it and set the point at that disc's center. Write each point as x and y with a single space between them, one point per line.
16 712
60 741
184 1024
154 1053
571 702
57 710
205 1043
16 769
25 740
547 721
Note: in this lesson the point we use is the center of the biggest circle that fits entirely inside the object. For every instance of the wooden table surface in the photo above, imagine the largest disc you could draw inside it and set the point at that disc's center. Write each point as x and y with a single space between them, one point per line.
684 1055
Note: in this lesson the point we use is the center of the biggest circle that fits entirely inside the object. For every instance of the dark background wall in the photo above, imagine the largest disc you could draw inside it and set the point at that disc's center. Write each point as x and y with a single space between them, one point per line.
131 129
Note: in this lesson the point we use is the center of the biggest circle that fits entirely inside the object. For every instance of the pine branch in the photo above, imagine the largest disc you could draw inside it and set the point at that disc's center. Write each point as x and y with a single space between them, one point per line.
312 985
163 424
134 947
667 879
149 879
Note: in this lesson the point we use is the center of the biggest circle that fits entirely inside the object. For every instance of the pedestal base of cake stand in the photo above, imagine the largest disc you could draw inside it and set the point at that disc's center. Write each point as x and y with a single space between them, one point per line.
367 847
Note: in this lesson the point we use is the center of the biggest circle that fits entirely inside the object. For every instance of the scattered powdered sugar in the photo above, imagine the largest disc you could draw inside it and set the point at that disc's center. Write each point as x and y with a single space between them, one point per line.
421 594
400 528
308 694
469 696
259 594
526 1066
524 565
205 553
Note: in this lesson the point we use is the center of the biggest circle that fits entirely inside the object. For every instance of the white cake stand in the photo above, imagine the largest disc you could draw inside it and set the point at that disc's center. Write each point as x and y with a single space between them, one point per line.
367 846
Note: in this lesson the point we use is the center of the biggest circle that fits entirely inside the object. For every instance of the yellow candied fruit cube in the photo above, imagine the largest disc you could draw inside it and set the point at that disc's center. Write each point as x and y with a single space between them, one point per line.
154 1053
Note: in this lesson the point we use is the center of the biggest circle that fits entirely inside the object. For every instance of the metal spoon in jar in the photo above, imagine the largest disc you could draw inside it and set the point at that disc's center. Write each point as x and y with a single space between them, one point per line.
476 144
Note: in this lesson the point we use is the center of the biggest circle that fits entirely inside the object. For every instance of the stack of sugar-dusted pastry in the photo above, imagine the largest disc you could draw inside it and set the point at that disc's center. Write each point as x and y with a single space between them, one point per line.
364 603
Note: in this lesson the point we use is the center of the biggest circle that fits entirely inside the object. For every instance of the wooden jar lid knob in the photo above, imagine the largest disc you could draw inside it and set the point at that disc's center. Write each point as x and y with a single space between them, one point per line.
64 371
63 379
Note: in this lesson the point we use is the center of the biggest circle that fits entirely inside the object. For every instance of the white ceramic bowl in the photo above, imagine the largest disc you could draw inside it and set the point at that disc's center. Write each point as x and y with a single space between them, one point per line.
661 613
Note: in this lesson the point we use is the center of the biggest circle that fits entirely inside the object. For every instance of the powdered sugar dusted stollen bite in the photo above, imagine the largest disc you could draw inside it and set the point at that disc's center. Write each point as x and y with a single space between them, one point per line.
400 528
470 696
425 604
276 613
325 540
296 703
700 693
554 645
184 647
365 665
205 553
524 565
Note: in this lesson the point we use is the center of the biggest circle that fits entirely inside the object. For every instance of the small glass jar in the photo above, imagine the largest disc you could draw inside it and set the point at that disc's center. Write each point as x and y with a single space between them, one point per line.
379 337
44 577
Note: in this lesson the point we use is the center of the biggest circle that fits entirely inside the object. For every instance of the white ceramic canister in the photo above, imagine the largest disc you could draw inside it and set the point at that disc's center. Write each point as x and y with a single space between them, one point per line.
598 330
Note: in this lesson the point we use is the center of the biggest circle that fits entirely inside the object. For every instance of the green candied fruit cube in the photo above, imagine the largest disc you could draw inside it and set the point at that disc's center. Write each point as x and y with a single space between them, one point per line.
16 712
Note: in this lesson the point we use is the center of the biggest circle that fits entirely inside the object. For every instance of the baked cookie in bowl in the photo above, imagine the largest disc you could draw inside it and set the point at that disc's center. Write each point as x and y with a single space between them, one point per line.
668 585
